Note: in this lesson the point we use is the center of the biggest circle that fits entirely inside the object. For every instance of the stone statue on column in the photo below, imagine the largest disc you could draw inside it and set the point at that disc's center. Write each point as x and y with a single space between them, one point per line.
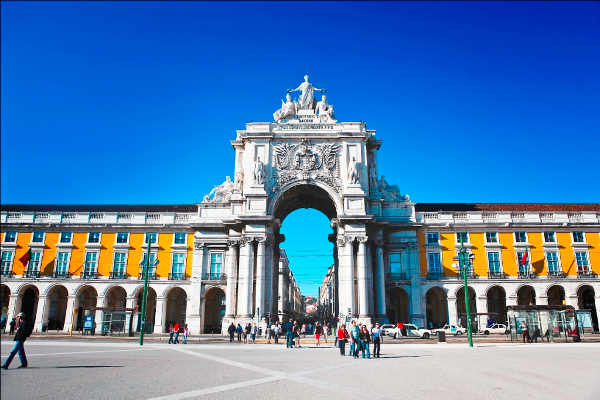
259 172
307 99
221 193
353 173
325 110
288 109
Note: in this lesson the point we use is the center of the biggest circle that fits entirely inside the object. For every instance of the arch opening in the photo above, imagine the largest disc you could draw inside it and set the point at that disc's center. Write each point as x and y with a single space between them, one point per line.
4 299
85 303
496 304
150 309
461 310
526 296
436 307
585 301
28 302
398 306
556 295
56 308
214 310
176 306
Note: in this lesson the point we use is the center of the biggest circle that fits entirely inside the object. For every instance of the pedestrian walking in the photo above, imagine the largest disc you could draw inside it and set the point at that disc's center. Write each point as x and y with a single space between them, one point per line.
342 338
318 333
239 330
277 332
377 337
303 330
253 332
354 339
325 332
176 328
12 326
171 333
231 332
288 328
23 332
186 332
297 331
247 332
525 332
365 340
3 321
270 332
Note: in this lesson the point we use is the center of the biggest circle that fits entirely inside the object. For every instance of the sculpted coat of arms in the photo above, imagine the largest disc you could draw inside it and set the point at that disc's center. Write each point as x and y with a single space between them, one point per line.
305 161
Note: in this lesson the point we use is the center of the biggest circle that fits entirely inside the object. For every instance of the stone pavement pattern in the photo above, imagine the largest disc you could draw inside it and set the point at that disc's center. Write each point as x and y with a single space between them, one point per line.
116 370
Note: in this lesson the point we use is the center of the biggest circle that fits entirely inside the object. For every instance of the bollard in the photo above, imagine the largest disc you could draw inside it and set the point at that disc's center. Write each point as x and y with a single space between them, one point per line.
441 337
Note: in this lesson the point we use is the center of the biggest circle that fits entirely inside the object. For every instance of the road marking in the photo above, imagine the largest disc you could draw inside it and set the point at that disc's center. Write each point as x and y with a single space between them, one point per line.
217 389
80 352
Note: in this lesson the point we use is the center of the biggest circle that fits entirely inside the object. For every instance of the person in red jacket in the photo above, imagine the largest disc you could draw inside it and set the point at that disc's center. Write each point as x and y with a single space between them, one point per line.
342 338
176 329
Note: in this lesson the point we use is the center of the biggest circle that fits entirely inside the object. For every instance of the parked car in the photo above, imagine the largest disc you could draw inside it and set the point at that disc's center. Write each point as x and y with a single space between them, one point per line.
451 330
411 331
496 328
387 327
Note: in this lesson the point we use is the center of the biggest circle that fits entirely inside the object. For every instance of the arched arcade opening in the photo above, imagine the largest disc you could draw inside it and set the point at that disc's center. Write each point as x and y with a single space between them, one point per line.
496 304
461 310
176 307
214 310
585 301
436 307
526 296
56 308
398 306
85 304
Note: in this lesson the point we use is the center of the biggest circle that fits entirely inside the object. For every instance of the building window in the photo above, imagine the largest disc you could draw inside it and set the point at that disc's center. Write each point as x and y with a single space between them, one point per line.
491 237
177 269
578 237
35 262
7 260
494 262
62 264
89 267
433 238
151 237
216 263
523 260
552 260
123 237
435 262
462 237
10 237
65 237
38 237
119 264
549 237
94 237
151 267
521 237
179 238
583 267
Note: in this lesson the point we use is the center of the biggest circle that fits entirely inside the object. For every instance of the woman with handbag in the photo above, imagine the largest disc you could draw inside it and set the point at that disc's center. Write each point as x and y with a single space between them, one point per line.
342 338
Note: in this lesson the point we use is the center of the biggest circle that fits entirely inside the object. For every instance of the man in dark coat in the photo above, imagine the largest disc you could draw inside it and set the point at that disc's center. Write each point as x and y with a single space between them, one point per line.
231 331
23 332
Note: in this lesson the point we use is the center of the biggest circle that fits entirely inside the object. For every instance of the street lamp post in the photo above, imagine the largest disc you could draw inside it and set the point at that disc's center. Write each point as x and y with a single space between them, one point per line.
465 259
144 296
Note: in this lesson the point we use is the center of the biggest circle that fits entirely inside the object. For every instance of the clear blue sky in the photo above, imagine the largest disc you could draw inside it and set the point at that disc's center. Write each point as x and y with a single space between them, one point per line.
136 102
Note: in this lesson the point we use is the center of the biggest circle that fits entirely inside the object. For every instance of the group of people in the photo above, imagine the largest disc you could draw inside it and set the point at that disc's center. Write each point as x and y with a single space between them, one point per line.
247 333
178 329
360 339
12 324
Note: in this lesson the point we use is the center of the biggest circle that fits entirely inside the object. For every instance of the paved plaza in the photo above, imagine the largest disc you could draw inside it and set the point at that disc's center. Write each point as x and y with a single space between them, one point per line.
102 370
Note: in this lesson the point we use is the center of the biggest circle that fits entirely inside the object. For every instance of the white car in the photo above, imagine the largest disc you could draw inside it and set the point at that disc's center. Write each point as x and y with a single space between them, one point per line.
386 328
451 330
496 328
411 331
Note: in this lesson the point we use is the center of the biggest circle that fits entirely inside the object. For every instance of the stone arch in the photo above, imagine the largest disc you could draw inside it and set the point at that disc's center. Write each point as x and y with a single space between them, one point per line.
150 308
4 299
85 302
461 309
27 301
436 301
214 309
176 305
496 303
398 305
57 297
300 194
169 288
526 295
586 301
556 295
115 298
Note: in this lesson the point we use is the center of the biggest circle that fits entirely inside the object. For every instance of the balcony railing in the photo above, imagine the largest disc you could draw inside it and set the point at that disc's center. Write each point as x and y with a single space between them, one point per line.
526 274
496 275
60 274
6 273
118 275
89 275
396 276
469 271
556 274
435 275
151 275
175 276
212 276
32 273
584 272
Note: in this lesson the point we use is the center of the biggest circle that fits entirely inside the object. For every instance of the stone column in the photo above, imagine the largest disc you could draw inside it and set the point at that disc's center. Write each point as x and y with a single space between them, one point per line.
98 315
572 301
346 276
363 298
452 318
380 282
232 255
417 315
39 314
129 326
482 308
597 302
244 304
159 315
541 301
68 325
12 303
193 312
283 292
260 278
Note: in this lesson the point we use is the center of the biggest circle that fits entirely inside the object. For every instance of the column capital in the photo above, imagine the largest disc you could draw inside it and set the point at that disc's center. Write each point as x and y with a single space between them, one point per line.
198 244
233 242
362 239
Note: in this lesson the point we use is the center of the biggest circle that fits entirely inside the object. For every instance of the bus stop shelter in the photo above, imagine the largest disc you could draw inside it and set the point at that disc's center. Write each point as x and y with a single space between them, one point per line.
550 323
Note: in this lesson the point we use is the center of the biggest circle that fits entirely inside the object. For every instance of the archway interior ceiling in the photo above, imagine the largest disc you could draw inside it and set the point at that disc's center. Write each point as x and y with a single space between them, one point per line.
304 196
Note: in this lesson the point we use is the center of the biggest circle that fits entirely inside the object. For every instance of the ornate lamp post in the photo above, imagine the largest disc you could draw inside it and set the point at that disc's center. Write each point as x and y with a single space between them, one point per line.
465 260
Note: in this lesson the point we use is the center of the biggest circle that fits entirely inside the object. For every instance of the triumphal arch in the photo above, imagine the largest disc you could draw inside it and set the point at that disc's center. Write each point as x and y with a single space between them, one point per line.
306 158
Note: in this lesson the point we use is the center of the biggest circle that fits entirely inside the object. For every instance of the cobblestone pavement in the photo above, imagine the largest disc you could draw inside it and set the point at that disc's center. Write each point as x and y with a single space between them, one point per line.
123 370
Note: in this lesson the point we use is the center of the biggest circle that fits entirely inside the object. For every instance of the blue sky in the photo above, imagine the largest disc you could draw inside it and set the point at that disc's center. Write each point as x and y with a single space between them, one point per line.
132 102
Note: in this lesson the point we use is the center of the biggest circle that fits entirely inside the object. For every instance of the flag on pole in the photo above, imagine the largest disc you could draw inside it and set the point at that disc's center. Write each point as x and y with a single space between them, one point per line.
524 259
25 258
